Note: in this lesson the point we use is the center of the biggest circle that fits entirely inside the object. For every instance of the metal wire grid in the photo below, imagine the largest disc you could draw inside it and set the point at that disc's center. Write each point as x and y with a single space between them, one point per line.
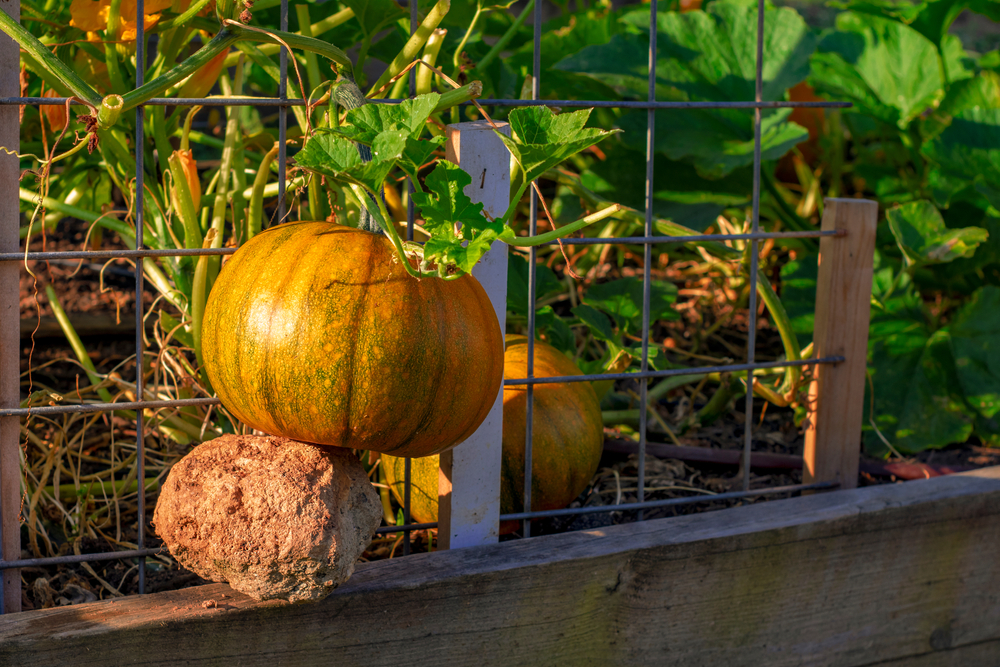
647 240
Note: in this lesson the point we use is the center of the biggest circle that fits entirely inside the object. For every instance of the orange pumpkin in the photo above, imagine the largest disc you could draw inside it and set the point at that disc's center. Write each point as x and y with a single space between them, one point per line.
567 440
315 332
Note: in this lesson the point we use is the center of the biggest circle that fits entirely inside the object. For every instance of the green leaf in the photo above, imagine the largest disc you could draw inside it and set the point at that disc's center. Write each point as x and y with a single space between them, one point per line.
596 321
418 153
337 157
409 116
919 402
707 56
713 53
716 143
373 15
680 194
921 234
969 148
554 330
443 206
980 91
543 139
975 337
622 299
546 283
886 68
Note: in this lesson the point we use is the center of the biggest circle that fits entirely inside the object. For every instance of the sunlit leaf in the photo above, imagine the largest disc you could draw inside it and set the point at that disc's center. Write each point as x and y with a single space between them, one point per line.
543 139
921 234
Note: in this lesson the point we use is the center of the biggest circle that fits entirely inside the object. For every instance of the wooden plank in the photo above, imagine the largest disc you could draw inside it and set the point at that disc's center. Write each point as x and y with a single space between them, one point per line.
84 324
843 299
10 358
986 654
846 578
469 479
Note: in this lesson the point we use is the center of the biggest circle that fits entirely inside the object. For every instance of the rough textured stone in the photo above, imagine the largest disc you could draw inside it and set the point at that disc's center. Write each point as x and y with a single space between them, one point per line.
273 517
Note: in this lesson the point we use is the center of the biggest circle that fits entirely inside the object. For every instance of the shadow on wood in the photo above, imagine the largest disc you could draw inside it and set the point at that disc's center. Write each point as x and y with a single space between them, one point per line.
894 574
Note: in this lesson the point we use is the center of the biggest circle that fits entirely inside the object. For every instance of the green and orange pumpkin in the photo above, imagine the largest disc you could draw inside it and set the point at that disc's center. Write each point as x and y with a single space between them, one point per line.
567 440
314 331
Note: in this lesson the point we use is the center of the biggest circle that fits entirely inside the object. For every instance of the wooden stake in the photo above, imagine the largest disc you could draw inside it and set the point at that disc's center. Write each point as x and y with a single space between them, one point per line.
843 301
10 371
469 479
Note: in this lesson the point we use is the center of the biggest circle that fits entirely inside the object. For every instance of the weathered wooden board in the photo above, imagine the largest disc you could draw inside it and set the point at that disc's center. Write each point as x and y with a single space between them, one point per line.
10 349
895 574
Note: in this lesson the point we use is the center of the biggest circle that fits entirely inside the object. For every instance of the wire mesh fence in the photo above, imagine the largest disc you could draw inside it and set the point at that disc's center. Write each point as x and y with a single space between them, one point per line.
530 381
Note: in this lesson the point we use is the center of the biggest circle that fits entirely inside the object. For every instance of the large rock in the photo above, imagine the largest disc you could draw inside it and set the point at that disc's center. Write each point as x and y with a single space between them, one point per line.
273 517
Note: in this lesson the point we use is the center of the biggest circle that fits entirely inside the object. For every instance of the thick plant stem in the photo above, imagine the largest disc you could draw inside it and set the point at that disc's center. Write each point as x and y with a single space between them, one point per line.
548 237
793 352
233 134
110 110
431 50
300 42
199 296
111 48
457 56
315 30
453 98
501 43
45 58
255 215
312 64
182 19
222 41
266 64
413 45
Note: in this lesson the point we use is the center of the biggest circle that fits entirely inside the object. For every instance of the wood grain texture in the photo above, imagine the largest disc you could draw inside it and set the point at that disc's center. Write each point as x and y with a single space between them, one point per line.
843 300
469 479
10 369
859 577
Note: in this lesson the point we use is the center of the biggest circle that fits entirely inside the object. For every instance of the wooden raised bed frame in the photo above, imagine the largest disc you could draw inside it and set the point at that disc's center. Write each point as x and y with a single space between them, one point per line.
902 574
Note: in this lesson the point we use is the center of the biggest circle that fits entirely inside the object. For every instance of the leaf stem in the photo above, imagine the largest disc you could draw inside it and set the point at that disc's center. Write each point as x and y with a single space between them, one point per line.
47 60
413 45
501 43
565 230
255 219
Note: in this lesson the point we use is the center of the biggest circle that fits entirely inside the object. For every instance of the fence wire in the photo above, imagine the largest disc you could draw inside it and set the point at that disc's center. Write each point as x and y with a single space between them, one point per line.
282 102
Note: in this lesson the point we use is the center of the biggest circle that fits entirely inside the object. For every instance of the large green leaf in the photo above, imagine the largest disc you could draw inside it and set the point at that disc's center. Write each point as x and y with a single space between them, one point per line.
622 300
975 336
373 15
921 234
410 116
679 193
716 143
713 54
919 403
598 322
706 56
886 68
969 148
981 91
546 283
543 139
444 206
337 157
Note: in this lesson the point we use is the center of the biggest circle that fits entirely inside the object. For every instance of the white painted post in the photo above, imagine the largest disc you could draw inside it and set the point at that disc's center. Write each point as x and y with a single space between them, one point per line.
469 480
